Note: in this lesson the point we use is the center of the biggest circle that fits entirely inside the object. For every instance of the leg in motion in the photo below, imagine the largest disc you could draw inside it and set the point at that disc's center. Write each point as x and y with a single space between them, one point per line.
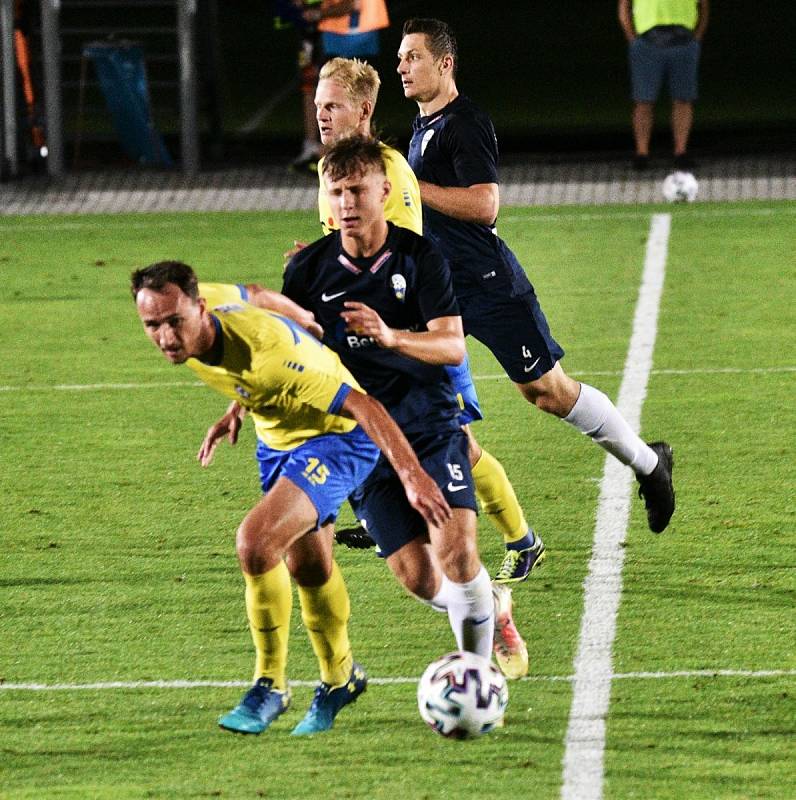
593 414
524 549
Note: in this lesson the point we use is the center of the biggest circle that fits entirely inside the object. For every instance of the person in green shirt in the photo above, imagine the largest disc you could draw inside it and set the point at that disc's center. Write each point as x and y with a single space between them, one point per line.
664 43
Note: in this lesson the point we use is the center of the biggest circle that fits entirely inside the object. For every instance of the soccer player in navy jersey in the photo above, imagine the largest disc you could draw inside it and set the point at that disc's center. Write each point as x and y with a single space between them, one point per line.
383 296
454 154
345 101
316 431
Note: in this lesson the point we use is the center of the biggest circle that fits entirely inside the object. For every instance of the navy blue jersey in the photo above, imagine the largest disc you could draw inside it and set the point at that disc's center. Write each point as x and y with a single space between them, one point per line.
457 147
407 283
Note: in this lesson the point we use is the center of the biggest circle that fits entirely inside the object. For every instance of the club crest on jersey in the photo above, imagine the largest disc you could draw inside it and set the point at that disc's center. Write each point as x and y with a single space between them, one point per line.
242 392
427 136
399 287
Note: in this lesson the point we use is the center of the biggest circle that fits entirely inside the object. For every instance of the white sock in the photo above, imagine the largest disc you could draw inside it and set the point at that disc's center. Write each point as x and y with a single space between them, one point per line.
596 416
471 612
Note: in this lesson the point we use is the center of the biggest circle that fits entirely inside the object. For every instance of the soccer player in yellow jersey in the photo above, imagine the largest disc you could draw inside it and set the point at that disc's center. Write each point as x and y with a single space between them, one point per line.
345 100
316 432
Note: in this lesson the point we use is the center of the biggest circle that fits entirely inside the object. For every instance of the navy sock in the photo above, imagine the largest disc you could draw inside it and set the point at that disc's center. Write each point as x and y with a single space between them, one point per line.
524 543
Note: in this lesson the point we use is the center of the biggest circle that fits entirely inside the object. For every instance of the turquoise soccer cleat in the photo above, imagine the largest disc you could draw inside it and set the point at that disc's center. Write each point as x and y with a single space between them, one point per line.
328 701
260 706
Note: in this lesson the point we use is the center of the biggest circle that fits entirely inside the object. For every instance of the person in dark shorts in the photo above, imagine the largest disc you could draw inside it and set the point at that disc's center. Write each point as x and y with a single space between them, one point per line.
384 298
664 44
453 152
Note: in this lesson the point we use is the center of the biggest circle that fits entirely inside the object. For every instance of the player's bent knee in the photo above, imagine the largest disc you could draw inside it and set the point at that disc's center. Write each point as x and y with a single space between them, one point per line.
462 567
308 572
553 404
255 553
554 393
414 569
457 550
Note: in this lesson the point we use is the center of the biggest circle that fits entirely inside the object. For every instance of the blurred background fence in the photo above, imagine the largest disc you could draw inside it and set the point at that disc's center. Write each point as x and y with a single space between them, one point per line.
552 75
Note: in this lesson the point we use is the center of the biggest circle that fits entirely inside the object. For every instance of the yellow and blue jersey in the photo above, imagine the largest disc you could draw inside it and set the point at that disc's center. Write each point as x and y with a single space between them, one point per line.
402 206
292 385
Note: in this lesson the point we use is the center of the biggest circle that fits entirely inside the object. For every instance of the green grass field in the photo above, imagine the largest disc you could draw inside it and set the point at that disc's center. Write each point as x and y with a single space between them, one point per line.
118 559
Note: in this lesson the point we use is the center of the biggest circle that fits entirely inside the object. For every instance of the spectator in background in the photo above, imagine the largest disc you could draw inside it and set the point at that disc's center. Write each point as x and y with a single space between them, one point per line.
355 35
664 39
34 145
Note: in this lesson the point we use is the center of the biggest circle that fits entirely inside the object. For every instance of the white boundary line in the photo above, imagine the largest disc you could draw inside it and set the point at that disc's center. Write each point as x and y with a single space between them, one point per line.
96 387
585 738
588 216
185 684
512 214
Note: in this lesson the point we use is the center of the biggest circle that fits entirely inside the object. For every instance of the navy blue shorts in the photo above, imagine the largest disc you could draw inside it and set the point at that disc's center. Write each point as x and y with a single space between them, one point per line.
515 329
381 504
464 387
326 468
650 65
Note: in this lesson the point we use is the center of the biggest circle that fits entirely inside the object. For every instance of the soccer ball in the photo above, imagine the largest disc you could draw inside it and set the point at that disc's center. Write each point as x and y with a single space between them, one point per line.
462 695
680 187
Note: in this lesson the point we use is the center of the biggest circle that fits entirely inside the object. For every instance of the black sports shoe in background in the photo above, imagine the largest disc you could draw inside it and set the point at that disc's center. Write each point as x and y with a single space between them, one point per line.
356 538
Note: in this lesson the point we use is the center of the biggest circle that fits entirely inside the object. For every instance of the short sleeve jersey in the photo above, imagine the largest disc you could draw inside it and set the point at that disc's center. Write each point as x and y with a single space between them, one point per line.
408 284
403 202
293 386
457 147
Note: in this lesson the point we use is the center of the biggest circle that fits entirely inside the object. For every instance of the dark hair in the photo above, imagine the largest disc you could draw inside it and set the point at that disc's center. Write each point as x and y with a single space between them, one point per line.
156 276
439 37
353 156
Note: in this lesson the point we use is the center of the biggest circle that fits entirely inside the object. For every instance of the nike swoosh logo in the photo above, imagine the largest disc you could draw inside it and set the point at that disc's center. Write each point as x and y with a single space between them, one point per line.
528 369
327 297
454 488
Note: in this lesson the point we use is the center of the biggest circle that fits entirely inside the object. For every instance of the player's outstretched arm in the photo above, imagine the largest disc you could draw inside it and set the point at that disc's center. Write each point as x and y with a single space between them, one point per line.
421 491
274 301
442 343
228 426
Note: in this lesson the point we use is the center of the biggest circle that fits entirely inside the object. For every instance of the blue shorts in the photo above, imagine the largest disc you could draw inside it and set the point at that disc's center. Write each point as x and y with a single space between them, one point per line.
650 65
381 504
515 329
326 468
465 392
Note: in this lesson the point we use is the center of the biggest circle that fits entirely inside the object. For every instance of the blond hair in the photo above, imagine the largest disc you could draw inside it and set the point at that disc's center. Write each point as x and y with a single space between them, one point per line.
358 78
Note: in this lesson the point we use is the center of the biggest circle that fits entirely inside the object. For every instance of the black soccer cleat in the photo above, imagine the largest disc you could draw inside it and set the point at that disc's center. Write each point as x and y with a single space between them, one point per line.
356 538
657 490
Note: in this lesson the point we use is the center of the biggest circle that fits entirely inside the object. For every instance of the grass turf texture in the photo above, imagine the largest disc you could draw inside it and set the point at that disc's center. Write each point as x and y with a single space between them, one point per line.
118 549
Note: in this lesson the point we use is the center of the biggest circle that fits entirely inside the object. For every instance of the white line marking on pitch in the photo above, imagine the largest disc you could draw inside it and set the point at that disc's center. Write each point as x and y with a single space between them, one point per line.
184 684
591 694
96 387
113 200
589 216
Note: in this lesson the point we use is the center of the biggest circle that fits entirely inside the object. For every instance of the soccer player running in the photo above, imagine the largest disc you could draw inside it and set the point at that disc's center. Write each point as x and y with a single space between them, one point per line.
345 100
316 431
454 154
383 296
